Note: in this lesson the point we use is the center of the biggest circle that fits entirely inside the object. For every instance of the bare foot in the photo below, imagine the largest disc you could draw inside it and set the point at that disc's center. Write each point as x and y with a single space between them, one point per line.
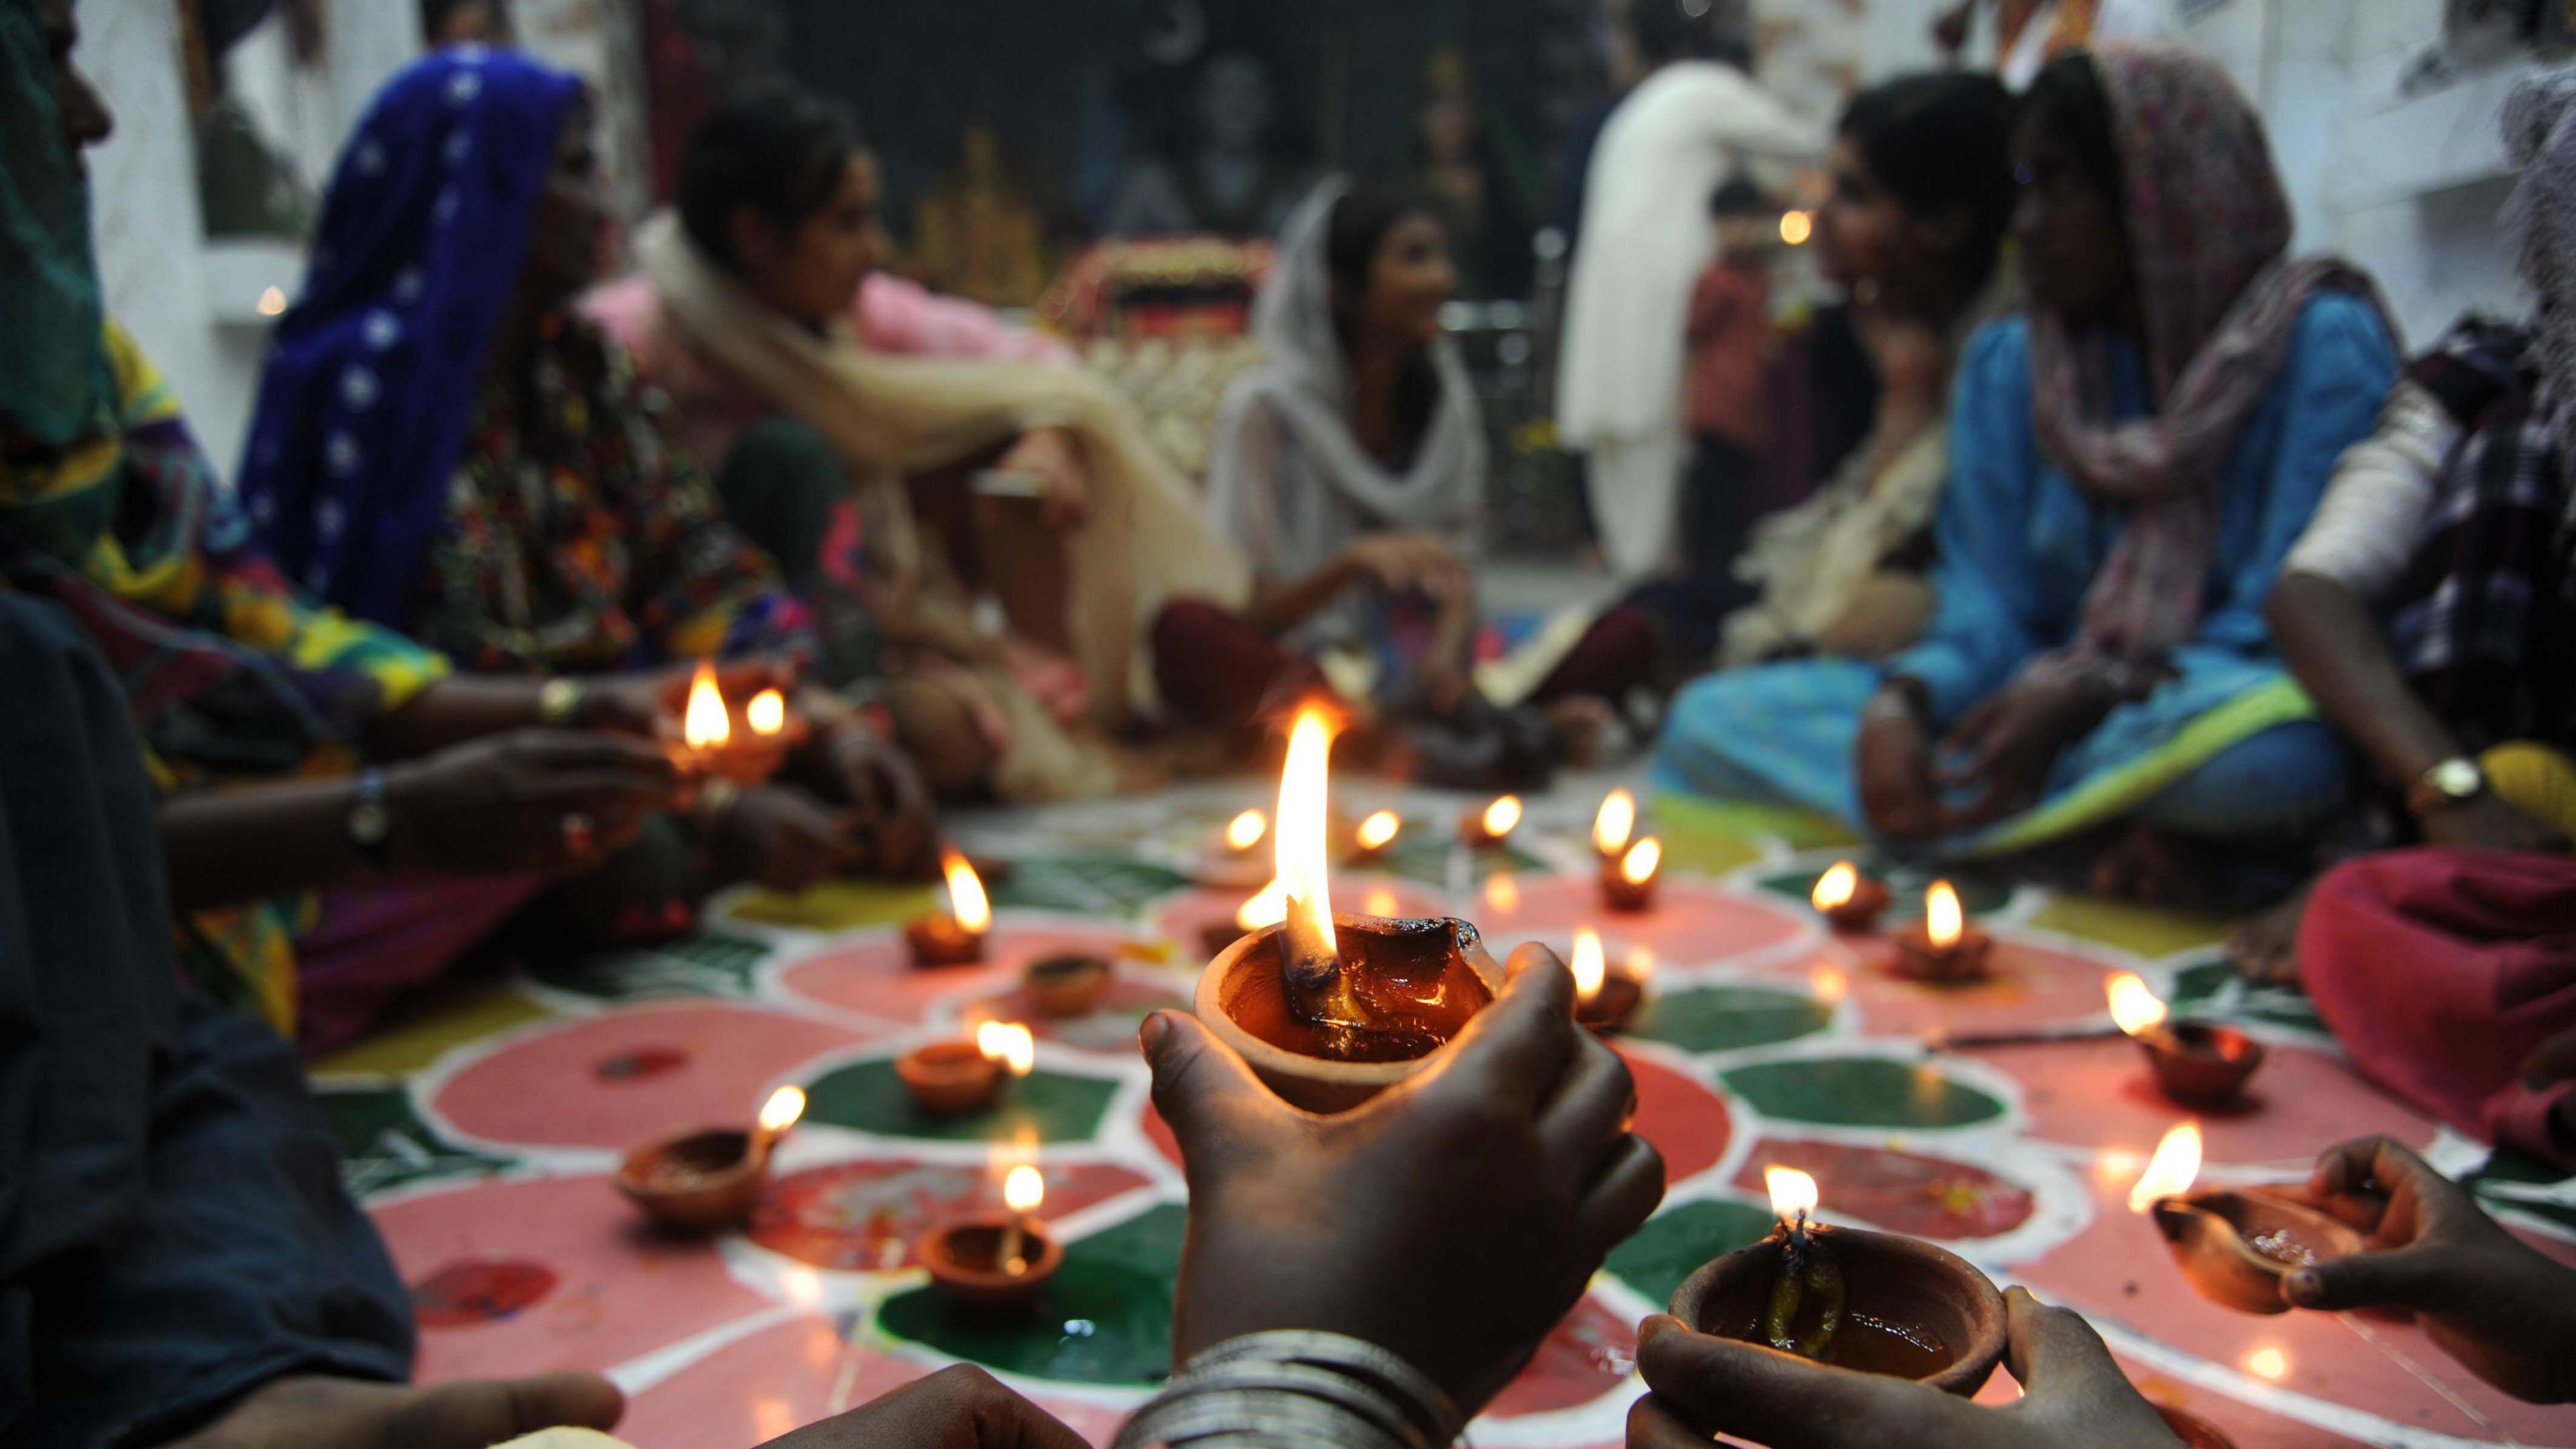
1580 726
313 1411
2266 948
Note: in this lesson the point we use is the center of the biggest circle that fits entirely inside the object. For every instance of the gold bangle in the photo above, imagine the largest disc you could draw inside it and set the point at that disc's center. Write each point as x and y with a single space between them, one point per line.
559 703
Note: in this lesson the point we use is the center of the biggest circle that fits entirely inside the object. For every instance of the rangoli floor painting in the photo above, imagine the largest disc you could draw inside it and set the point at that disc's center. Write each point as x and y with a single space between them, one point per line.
484 1133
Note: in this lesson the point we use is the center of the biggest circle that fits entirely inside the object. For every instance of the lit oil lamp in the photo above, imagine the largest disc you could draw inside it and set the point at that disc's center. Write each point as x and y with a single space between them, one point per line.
953 1078
706 728
1604 998
1246 831
1868 1302
1850 901
955 938
1375 837
2234 1247
2197 1064
1945 947
1491 826
1068 985
1331 1010
995 1263
1628 883
1613 824
709 1179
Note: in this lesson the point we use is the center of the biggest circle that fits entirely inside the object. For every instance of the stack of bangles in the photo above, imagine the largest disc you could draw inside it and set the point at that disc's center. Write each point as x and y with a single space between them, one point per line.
1291 1389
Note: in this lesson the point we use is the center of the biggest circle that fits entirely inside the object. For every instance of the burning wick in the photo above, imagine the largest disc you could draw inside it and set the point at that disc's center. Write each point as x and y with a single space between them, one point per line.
1378 832
1022 1191
704 727
1613 825
767 713
777 1115
1245 831
1494 825
1310 955
1009 1043
1806 1269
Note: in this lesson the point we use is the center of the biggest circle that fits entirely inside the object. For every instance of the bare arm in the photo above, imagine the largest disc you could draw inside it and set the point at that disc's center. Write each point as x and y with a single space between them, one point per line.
2336 649
300 826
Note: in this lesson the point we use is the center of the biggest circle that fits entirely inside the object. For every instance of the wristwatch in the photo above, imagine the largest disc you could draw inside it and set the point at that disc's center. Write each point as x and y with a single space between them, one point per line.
2448 785
559 703
370 821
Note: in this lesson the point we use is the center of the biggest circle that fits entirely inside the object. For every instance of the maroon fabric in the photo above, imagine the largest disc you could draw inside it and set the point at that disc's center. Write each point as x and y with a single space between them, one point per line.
1216 669
374 943
2441 971
1614 656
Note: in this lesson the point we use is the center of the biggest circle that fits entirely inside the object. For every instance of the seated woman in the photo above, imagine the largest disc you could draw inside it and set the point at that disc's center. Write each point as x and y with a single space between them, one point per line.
2129 464
1923 190
1350 467
743 314
342 817
444 446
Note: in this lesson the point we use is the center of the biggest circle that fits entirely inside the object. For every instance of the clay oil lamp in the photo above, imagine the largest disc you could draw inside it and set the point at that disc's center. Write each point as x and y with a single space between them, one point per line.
710 1179
1067 985
1849 901
1375 837
953 1078
1331 1009
995 1263
1628 883
1604 998
1945 948
1613 825
713 748
1491 826
2196 1063
1868 1302
2234 1247
955 938
1233 856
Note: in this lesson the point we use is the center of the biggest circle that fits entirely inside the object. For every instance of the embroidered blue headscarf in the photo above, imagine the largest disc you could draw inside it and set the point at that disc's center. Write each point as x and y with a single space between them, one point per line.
371 381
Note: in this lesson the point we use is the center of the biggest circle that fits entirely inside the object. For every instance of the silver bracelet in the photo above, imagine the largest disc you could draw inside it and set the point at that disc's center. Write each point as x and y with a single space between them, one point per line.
1292 1387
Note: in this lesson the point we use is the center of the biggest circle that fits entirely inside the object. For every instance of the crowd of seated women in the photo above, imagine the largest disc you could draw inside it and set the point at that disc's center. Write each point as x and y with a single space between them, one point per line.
2138 572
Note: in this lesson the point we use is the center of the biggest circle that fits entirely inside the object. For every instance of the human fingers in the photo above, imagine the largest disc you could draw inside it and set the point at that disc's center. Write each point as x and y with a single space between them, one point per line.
1204 1091
1653 1425
2056 1356
1622 1197
1589 1110
2422 1280
1726 1386
2345 1182
1512 1052
592 749
1971 729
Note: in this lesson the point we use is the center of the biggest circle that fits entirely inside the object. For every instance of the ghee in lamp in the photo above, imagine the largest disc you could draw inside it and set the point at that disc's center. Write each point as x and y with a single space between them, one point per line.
1628 883
955 938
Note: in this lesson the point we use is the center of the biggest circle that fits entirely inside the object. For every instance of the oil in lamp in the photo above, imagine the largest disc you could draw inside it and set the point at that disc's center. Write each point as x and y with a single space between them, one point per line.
1945 948
1628 883
2234 1247
995 1263
2196 1063
1852 902
955 938
1491 826
709 1179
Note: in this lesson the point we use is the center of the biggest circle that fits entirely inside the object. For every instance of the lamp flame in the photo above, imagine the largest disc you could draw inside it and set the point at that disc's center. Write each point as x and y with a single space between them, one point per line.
2171 1171
1502 895
1009 1043
2134 1005
782 1109
767 712
1268 908
1590 966
1612 826
1245 830
1796 227
1378 831
1943 919
1792 1192
1836 886
966 899
1502 815
1300 834
703 725
1024 1189
1639 865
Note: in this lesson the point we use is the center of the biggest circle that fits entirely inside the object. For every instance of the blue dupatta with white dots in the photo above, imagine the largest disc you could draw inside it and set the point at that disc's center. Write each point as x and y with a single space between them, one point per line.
371 380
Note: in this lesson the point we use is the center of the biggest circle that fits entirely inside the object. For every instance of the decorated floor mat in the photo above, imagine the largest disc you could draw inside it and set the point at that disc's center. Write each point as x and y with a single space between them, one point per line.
484 1133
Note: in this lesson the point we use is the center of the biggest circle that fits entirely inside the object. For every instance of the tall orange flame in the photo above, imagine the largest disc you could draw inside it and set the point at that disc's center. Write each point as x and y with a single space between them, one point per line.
704 725
1943 918
966 899
1642 860
2171 1171
1299 833
1590 966
1615 822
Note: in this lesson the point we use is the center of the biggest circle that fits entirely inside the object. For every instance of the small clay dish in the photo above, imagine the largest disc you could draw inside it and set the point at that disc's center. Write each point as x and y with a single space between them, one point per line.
1243 999
1969 959
950 1078
964 1262
704 1181
2194 1432
2200 1065
1610 1007
1068 985
1859 915
1628 897
2236 1247
1912 1310
940 941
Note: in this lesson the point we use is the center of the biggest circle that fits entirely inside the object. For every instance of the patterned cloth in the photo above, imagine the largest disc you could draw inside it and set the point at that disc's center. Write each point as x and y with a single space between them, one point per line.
2208 226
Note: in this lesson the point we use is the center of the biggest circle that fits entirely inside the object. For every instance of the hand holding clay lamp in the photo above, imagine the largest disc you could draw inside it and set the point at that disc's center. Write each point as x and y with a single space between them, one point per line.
1945 947
706 729
1603 999
1375 837
953 1078
1491 826
2234 1247
712 1178
1331 1010
1850 901
1869 1302
957 937
1628 883
995 1263
2197 1064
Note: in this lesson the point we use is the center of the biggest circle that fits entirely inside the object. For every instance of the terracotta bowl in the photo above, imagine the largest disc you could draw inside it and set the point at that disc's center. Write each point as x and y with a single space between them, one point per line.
1611 1007
704 1181
961 1258
2220 1239
1917 959
1891 1280
1243 983
949 1078
1070 985
1859 915
2195 1433
2200 1065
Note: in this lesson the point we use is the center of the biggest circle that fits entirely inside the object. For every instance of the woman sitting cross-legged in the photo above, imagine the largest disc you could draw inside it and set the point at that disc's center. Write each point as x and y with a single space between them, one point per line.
2129 464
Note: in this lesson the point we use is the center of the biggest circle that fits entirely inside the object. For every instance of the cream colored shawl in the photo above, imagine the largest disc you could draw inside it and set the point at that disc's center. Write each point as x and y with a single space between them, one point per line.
1146 540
